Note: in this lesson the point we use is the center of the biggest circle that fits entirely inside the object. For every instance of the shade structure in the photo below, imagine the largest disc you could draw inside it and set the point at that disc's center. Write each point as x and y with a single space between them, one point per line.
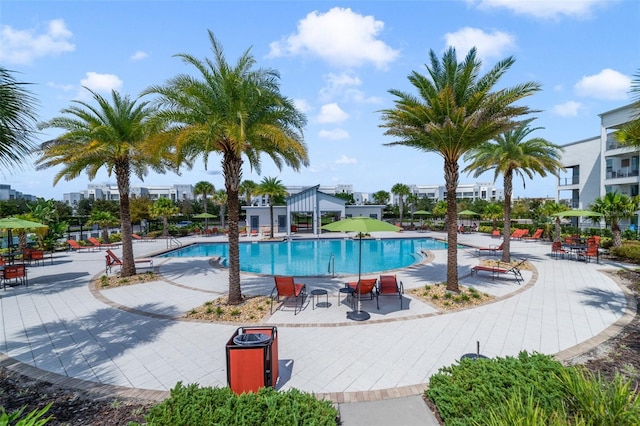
11 223
577 213
467 213
204 216
421 213
361 225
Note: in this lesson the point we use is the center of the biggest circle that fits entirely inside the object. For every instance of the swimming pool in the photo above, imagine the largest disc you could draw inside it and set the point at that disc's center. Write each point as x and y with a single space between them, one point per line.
318 257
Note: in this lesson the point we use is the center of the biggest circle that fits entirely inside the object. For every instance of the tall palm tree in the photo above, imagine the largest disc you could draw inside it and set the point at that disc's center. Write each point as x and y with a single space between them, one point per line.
237 112
220 199
614 208
17 120
164 208
381 197
401 190
272 188
247 189
104 220
510 154
117 136
456 109
204 188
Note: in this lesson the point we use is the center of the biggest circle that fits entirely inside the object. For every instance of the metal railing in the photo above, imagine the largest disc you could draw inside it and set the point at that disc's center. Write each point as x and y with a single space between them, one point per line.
573 180
171 241
331 269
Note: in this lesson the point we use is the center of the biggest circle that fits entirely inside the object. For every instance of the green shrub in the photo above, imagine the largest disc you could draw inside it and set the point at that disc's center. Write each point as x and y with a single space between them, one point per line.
192 405
33 418
628 250
525 411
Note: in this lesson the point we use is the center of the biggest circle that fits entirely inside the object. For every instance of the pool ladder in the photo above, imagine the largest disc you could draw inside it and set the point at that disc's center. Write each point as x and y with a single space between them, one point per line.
332 265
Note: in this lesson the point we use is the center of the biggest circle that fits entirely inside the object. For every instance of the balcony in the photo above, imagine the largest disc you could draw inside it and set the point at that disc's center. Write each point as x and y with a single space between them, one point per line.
621 173
573 180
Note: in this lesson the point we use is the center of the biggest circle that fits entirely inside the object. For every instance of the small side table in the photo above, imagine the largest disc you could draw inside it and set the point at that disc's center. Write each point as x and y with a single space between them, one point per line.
315 295
348 291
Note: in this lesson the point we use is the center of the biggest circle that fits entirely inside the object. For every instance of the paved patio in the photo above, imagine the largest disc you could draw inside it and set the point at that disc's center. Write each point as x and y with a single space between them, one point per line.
133 340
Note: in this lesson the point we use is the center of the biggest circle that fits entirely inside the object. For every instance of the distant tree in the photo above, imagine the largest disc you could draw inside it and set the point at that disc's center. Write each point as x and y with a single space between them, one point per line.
85 206
548 209
140 207
220 198
106 206
401 190
104 220
629 133
381 197
440 209
614 208
17 121
350 200
272 188
204 188
247 190
164 208
493 212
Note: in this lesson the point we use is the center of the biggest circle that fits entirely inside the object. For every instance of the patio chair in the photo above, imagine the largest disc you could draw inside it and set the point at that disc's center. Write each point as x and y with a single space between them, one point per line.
286 288
33 256
78 247
497 270
366 287
14 275
491 249
112 260
591 251
536 235
388 285
98 244
558 249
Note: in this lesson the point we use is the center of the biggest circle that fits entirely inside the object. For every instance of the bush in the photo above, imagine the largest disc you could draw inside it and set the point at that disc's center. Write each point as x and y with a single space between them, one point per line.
629 250
192 405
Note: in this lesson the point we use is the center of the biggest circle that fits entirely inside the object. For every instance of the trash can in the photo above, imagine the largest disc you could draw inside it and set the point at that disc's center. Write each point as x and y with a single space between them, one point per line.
252 359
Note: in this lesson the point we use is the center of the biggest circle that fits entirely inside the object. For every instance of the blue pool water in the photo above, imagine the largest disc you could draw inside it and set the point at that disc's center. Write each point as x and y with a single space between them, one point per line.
314 257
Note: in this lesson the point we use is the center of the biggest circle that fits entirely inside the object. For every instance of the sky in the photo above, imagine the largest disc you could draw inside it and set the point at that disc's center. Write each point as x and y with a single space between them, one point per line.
337 61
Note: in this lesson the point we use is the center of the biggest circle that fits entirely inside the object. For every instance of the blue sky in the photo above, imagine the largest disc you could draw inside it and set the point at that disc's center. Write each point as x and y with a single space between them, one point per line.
337 60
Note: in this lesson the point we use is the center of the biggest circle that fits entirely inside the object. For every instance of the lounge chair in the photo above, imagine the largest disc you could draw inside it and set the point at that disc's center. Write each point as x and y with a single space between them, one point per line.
98 244
286 288
139 238
557 249
535 237
518 234
496 234
491 249
366 286
388 285
113 260
254 232
497 270
78 247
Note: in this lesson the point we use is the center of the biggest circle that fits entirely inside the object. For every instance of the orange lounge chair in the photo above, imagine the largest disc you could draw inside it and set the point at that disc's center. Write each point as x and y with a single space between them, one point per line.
518 234
497 270
286 288
496 234
388 285
535 237
139 238
77 247
98 244
367 286
491 249
113 260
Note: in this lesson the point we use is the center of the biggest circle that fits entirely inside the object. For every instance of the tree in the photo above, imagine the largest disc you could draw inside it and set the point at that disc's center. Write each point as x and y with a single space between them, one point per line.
247 189
509 154
237 112
220 199
455 111
629 133
614 208
401 190
117 136
164 208
548 209
493 212
273 189
104 220
17 121
139 207
204 188
381 197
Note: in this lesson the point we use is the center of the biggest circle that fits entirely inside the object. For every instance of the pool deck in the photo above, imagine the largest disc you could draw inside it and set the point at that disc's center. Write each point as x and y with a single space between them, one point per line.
133 340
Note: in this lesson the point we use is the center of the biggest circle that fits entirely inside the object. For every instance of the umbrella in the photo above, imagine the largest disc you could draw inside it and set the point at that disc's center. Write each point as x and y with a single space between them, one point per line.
361 225
577 213
206 217
468 213
11 223
421 213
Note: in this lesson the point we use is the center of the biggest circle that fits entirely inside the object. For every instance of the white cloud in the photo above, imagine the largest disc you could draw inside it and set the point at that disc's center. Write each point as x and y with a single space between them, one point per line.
608 84
344 86
334 135
488 45
346 160
63 87
101 83
24 46
567 109
340 37
302 105
331 113
543 9
139 55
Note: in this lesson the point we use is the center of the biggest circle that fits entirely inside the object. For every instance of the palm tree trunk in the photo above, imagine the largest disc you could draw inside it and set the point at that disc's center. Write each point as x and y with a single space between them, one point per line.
508 190
616 235
123 178
232 170
451 174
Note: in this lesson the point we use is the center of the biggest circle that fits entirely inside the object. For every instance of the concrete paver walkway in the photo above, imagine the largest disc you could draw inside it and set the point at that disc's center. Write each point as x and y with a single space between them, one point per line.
134 337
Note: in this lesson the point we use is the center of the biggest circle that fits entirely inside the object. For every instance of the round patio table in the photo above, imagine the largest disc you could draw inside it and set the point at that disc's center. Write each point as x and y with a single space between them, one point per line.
315 295
349 292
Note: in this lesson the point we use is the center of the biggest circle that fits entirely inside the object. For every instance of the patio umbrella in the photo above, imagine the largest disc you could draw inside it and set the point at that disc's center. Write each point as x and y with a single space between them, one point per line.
421 213
577 213
468 213
11 223
206 217
361 225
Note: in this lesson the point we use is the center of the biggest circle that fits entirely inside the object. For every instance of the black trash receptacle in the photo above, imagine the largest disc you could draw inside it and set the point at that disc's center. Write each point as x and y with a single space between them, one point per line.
252 359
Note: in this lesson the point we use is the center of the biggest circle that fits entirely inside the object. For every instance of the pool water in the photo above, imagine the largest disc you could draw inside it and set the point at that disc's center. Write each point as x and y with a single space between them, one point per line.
318 257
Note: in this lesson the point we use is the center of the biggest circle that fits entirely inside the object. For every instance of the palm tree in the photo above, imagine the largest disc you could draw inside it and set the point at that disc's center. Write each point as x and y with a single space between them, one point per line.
455 111
104 220
381 197
614 208
629 134
220 199
164 208
247 189
493 212
17 120
117 136
272 188
510 154
237 112
401 190
548 209
204 188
